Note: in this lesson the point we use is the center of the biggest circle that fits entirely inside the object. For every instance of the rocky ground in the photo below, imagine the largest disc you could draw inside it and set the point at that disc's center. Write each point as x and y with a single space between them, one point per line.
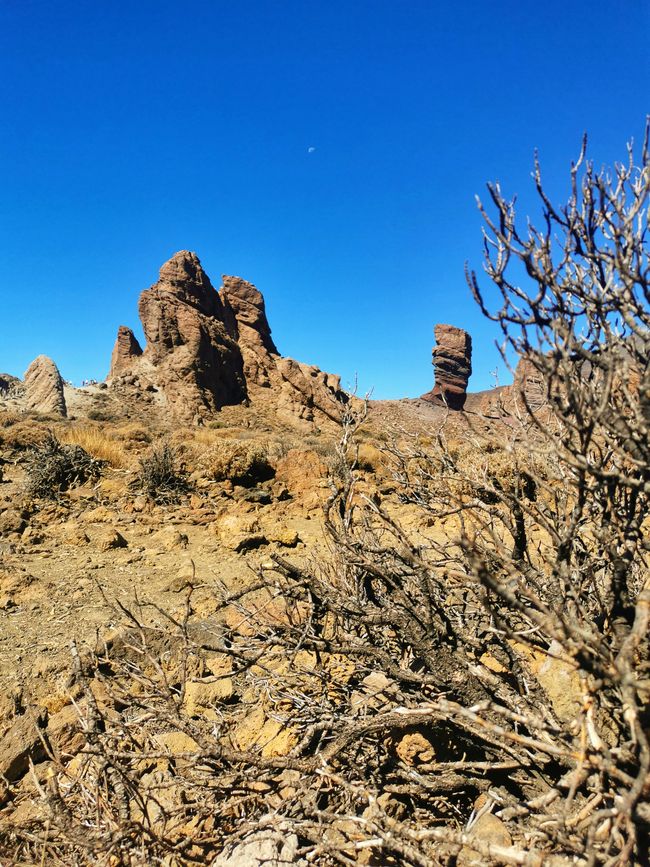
181 592
71 562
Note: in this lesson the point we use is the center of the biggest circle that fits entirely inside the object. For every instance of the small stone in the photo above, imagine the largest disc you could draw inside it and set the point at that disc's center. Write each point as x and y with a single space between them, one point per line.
177 743
11 521
108 539
414 748
282 535
201 696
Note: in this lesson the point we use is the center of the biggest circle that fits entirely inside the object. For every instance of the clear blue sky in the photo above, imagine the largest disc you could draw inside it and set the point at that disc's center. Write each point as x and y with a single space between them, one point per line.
131 130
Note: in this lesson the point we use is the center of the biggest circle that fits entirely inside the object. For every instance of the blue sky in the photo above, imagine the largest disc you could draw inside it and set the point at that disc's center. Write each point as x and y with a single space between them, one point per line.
133 130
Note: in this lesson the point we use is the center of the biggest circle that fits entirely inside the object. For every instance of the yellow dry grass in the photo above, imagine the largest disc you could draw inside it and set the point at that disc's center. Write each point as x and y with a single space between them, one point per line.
98 443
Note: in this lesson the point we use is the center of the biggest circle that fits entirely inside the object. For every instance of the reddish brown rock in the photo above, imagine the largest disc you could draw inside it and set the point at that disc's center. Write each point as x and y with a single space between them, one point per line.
208 349
305 391
300 391
44 387
191 340
125 351
252 329
528 388
452 365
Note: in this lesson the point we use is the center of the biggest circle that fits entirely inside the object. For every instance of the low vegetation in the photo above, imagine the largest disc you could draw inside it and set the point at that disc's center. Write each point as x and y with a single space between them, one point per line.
96 442
161 474
54 467
243 463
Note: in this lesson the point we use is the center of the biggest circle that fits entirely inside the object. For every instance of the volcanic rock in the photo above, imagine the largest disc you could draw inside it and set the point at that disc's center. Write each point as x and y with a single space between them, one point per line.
452 365
8 384
300 391
253 332
207 349
528 386
191 340
125 351
44 387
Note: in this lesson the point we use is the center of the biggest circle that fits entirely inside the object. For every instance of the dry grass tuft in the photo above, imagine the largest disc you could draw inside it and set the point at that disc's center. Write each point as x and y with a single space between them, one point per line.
132 433
100 444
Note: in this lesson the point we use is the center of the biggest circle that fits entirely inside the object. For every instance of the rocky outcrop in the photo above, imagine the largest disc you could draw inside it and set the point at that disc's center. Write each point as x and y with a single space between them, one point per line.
528 388
44 387
207 349
305 391
8 384
300 391
191 349
125 351
452 365
252 330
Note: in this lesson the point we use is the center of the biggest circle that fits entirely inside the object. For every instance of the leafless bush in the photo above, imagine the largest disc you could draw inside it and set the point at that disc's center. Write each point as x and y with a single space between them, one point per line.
161 474
54 467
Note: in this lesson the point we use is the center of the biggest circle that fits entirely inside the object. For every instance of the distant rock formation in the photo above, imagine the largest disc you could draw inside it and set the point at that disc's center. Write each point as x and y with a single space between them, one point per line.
44 387
252 330
528 387
126 349
8 384
191 340
207 349
452 365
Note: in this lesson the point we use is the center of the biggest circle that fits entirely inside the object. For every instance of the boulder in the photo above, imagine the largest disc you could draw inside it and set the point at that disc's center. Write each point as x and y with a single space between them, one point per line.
44 387
452 365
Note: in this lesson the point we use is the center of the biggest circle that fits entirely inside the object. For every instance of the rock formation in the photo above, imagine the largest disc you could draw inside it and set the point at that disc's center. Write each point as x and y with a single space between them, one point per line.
207 349
44 387
252 330
529 384
191 340
452 365
8 383
126 349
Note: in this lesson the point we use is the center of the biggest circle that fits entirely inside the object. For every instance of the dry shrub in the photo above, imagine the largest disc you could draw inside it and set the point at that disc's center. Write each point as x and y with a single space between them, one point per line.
8 418
243 463
162 474
98 443
497 464
369 458
54 467
132 433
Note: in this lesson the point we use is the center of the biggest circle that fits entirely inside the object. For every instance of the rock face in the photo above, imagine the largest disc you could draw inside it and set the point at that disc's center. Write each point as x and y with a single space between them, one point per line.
191 340
8 383
44 387
126 349
452 365
252 330
207 349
